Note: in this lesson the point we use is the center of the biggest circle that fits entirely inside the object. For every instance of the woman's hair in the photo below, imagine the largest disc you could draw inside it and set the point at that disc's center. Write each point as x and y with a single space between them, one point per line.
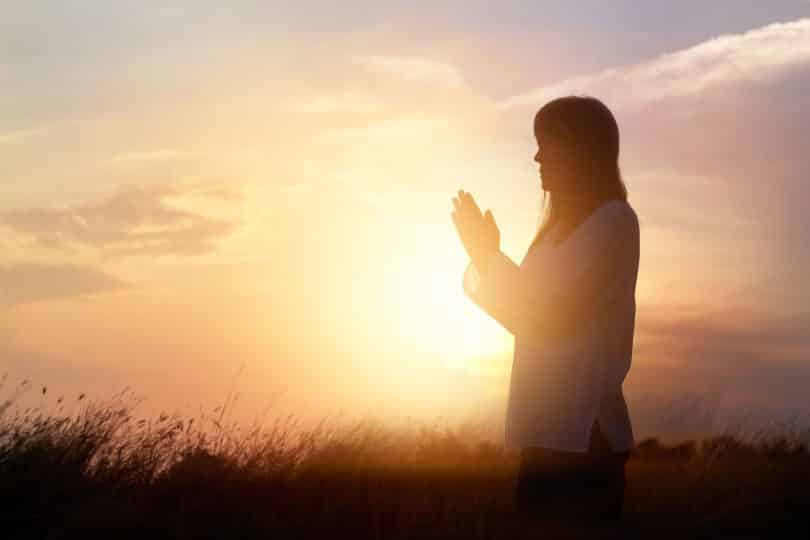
590 135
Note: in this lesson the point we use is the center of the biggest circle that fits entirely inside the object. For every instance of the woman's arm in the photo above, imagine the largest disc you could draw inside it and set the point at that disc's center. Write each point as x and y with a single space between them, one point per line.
602 256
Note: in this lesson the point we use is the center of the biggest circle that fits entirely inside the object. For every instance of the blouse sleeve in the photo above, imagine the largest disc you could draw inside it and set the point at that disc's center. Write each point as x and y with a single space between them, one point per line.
601 257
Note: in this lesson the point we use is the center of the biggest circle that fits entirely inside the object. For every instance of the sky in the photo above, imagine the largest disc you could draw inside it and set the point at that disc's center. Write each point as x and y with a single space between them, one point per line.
255 199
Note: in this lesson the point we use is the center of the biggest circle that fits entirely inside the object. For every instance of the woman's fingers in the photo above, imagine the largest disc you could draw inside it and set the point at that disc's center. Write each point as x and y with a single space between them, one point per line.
489 217
462 224
462 227
468 207
474 206
468 212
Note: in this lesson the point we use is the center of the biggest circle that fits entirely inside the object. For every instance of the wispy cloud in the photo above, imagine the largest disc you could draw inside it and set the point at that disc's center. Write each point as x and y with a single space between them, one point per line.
728 339
732 357
30 282
19 134
145 157
757 55
135 221
415 68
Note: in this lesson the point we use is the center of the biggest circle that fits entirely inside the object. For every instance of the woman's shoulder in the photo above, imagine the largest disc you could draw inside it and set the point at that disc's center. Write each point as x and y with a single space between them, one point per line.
615 209
611 215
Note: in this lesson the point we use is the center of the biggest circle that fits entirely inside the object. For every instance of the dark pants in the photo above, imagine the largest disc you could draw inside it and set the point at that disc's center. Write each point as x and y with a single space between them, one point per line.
584 487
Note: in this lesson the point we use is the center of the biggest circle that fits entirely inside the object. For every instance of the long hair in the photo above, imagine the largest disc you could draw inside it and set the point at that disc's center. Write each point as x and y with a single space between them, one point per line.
590 134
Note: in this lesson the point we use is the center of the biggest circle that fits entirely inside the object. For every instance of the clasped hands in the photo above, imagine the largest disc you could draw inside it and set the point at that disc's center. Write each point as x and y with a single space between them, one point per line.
478 232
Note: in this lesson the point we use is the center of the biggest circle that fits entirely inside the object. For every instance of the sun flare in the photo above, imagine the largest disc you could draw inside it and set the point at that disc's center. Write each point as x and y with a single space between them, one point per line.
437 318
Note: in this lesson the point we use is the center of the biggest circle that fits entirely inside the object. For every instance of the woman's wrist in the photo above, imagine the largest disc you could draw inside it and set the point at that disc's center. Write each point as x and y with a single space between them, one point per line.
483 260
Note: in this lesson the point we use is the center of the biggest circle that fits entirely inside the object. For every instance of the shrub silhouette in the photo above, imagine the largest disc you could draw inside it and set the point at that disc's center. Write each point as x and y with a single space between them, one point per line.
101 472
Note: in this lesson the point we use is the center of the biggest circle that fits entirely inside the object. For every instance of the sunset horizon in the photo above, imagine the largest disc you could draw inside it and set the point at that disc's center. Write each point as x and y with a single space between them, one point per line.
203 201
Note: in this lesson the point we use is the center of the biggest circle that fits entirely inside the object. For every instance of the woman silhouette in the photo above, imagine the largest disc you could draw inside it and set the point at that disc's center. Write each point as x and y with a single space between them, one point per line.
571 307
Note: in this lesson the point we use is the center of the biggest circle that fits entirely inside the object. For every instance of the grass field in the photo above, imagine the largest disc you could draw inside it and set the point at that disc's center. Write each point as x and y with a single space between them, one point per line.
100 472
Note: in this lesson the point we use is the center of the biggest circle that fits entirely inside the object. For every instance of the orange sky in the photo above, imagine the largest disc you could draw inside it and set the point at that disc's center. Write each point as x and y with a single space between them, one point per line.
273 216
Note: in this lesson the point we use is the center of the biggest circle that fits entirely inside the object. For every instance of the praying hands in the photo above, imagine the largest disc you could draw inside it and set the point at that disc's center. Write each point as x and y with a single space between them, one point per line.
478 232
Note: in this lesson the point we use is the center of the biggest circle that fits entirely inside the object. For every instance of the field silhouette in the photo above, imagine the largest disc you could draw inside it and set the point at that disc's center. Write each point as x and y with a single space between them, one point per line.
100 472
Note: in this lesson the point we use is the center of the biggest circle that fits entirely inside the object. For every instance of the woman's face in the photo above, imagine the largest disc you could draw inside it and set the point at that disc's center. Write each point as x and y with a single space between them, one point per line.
552 156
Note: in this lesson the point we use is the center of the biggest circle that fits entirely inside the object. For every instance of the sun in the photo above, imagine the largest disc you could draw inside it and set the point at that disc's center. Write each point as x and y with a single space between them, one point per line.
434 315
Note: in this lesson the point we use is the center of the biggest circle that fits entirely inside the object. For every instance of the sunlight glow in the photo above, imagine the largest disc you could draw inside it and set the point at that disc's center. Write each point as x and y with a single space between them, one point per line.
437 318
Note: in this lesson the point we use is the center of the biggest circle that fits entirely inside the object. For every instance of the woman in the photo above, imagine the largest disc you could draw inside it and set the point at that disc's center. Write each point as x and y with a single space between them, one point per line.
571 307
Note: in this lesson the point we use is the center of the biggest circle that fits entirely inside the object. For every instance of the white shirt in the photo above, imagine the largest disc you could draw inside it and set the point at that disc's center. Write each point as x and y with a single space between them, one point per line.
562 382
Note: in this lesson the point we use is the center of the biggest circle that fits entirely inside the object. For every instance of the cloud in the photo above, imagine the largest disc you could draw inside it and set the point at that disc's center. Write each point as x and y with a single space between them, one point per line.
151 156
722 339
757 55
414 68
19 134
134 221
31 282
217 192
704 371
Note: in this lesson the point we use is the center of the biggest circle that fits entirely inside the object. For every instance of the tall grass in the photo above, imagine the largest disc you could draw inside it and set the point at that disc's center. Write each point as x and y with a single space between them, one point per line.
92 468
